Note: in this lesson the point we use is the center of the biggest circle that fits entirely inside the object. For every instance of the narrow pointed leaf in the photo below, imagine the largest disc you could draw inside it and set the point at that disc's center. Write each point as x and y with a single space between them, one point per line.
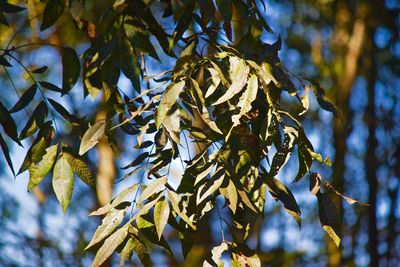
38 172
80 168
71 69
92 136
25 99
6 153
329 217
52 13
36 120
8 123
168 99
280 192
153 188
107 226
63 182
161 215
110 245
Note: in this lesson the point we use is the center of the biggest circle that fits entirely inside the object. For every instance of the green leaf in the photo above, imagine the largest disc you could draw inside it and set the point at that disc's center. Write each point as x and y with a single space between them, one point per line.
80 168
71 69
242 255
10 8
161 215
201 107
129 64
238 73
153 188
215 81
63 182
329 217
168 99
3 20
305 155
110 245
245 100
315 183
38 148
172 123
142 252
216 255
231 194
283 154
216 181
64 113
116 201
280 192
9 126
38 172
175 200
40 70
50 86
3 61
183 24
6 153
92 136
52 13
36 120
25 99
109 223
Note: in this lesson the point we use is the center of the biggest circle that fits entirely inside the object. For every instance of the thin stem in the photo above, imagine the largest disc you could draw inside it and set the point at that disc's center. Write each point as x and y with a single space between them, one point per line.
187 146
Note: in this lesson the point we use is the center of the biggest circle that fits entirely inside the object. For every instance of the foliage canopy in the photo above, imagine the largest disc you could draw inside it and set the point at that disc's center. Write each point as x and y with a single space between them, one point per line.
227 94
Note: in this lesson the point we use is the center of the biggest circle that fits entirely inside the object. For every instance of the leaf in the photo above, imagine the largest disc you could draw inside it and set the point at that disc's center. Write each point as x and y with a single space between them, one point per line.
108 225
129 64
110 245
214 184
168 99
283 154
172 123
64 113
216 254
63 182
161 215
52 13
10 8
9 126
50 86
38 172
305 103
142 252
201 107
40 70
215 81
183 24
137 161
238 73
315 183
92 136
6 153
3 61
305 154
329 217
121 197
242 255
36 120
71 69
153 188
80 168
25 99
38 148
231 194
245 100
3 20
175 200
280 192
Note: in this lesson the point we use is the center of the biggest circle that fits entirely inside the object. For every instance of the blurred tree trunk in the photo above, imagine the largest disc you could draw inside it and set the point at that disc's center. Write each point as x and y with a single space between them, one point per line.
105 168
348 47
